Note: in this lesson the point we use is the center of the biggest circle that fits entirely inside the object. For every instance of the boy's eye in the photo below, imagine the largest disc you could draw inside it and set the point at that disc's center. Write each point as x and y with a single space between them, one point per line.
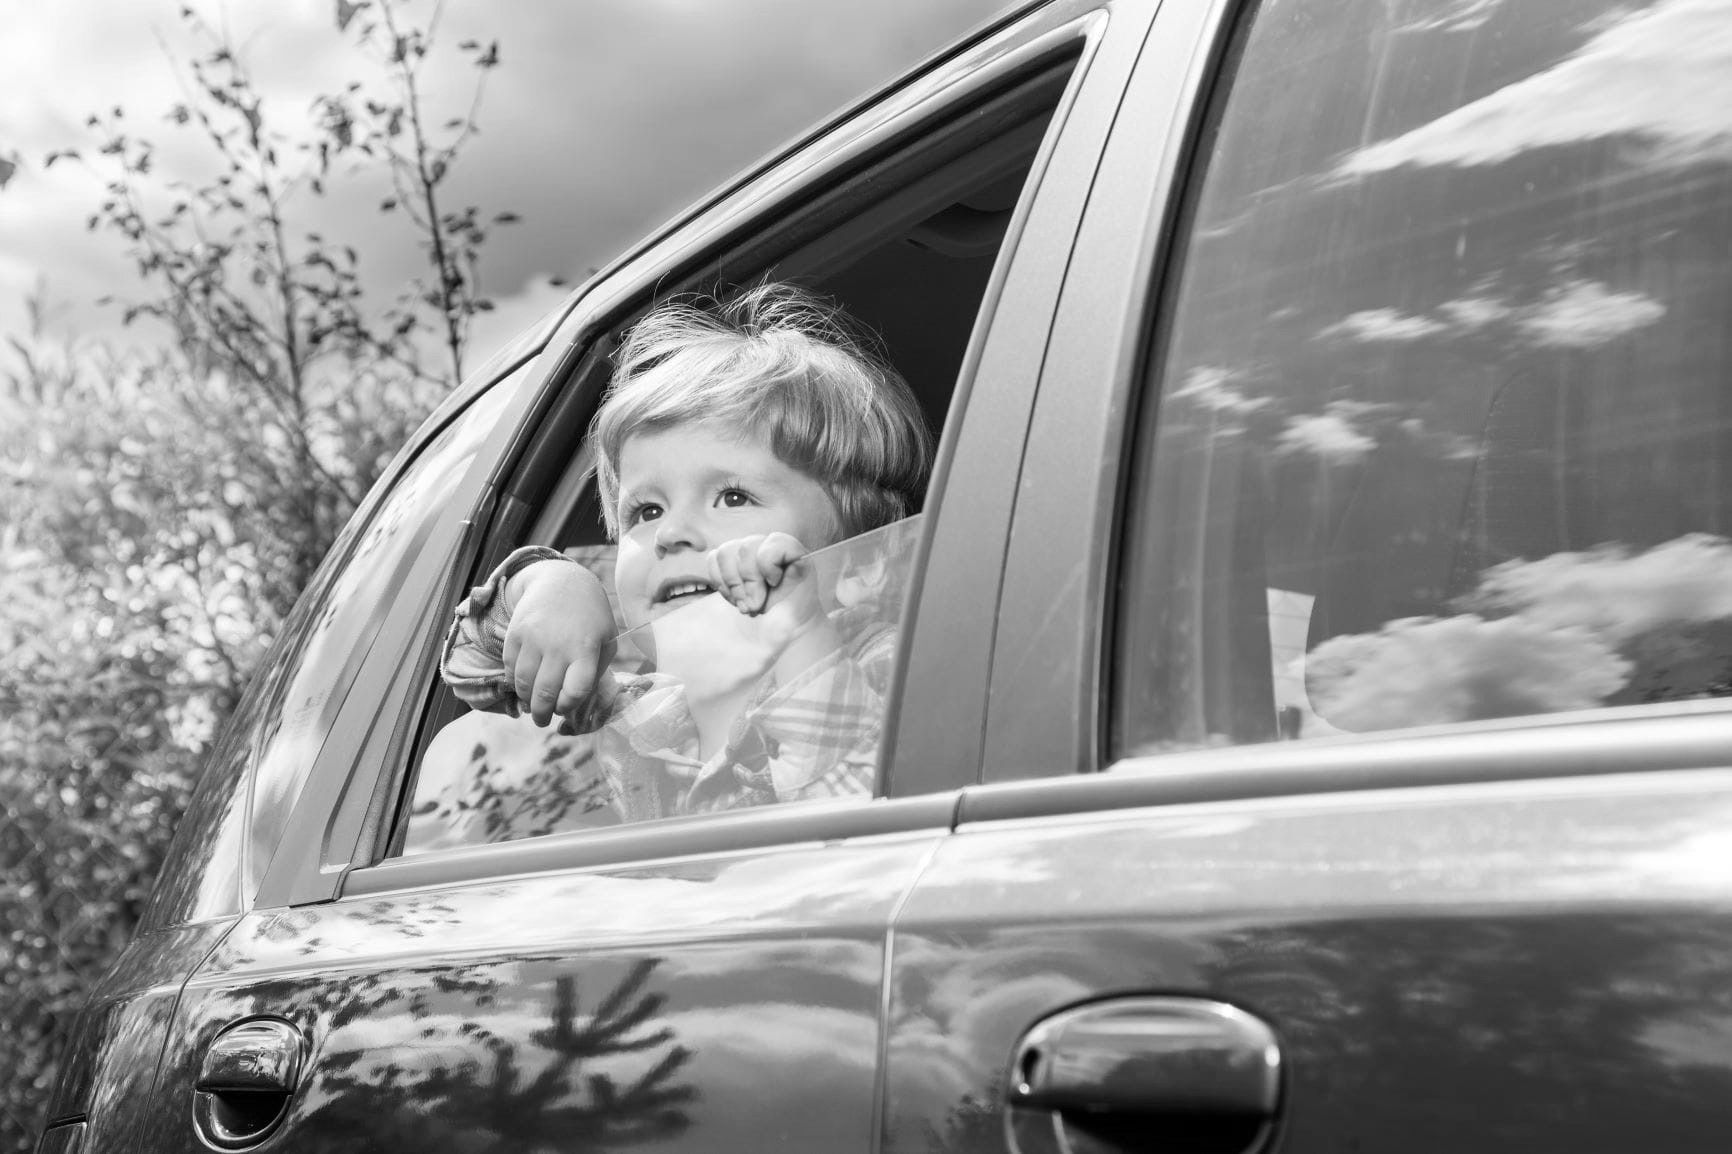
648 511
732 499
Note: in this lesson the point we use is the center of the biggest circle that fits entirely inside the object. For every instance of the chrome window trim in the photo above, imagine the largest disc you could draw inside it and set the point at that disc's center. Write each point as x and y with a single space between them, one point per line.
768 827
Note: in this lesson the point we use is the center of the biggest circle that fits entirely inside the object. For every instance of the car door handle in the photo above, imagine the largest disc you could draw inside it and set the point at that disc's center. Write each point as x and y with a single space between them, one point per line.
245 1083
1134 1065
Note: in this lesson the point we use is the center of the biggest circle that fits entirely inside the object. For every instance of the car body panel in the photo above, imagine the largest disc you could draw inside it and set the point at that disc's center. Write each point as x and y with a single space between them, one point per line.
717 1001
1511 965
112 1052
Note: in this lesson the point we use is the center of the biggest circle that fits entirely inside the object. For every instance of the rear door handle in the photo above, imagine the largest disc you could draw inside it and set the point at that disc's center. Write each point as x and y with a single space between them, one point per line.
1134 1066
246 1080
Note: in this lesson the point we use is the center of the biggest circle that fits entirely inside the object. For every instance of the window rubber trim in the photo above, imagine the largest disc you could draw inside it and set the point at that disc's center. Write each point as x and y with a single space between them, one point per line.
767 827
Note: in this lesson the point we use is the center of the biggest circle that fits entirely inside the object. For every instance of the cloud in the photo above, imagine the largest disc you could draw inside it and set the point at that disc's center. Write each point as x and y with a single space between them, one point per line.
1462 16
1582 314
1576 314
1375 325
1538 637
1466 314
1331 435
1431 671
602 121
1614 593
1663 74
1211 387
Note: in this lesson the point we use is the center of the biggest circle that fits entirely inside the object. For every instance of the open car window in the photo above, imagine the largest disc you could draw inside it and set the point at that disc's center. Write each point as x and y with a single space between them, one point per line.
906 241
800 690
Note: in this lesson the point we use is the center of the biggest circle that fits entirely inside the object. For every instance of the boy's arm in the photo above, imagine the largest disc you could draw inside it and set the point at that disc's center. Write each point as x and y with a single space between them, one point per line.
532 634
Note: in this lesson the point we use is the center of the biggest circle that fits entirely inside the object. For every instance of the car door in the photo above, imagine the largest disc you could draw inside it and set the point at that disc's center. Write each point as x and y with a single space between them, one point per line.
708 982
1356 771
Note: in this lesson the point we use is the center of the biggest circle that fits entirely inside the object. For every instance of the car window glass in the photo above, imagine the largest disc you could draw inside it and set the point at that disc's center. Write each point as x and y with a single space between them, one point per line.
314 674
705 709
1444 423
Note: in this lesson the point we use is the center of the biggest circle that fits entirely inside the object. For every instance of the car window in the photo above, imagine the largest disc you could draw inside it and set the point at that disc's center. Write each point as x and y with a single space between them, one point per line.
312 675
1443 412
907 255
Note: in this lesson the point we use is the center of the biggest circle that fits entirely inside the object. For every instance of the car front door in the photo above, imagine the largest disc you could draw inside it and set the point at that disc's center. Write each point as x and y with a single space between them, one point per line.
1356 771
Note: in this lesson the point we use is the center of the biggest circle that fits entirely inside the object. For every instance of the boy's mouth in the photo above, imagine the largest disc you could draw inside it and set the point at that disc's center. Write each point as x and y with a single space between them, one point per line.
680 590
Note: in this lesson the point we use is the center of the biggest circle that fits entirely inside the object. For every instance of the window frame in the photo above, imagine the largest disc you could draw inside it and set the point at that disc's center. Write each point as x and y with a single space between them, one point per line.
315 831
343 829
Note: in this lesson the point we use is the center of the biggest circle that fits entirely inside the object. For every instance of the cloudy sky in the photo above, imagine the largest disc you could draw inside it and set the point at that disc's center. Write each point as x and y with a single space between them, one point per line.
604 118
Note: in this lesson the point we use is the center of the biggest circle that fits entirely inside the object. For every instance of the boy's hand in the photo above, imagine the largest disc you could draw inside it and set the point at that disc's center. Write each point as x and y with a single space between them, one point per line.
746 570
560 639
763 578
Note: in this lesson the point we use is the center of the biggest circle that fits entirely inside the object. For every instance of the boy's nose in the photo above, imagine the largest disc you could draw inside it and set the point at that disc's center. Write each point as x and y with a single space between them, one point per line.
677 531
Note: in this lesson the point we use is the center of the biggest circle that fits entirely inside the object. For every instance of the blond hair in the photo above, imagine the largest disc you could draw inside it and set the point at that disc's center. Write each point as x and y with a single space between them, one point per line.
778 363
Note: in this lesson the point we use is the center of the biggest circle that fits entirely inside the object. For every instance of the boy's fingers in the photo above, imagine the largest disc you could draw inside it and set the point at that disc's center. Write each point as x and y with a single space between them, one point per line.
776 553
547 685
524 666
575 689
736 581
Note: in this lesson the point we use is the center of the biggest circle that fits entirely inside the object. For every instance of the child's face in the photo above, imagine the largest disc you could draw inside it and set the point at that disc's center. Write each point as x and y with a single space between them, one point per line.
687 489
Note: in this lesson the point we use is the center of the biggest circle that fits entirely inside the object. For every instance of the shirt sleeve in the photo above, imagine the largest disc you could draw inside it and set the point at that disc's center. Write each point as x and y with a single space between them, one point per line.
821 730
473 660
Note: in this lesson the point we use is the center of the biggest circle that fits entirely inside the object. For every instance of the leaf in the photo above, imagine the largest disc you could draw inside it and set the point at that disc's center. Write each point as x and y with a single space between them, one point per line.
506 218
7 168
345 13
389 203
489 58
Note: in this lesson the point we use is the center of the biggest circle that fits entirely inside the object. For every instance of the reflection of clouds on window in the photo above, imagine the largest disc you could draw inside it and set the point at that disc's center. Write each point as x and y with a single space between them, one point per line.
1663 74
1377 325
1563 632
1211 387
1468 313
1334 434
1578 314
1614 593
1461 16
1430 670
1583 314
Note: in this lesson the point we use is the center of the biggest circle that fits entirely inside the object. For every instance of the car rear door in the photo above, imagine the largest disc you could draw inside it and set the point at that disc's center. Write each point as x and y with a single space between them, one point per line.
707 982
1356 771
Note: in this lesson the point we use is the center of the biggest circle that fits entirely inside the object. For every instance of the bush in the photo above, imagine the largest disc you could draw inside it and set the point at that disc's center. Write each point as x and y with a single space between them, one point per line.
159 513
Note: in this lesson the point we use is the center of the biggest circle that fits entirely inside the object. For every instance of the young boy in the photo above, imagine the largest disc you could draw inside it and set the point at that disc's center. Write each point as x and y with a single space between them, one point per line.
733 441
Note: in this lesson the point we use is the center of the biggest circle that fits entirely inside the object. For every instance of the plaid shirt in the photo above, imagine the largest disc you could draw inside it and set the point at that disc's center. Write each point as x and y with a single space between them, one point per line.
815 737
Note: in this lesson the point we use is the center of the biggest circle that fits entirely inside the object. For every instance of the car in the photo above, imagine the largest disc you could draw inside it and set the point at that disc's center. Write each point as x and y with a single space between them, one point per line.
1310 729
